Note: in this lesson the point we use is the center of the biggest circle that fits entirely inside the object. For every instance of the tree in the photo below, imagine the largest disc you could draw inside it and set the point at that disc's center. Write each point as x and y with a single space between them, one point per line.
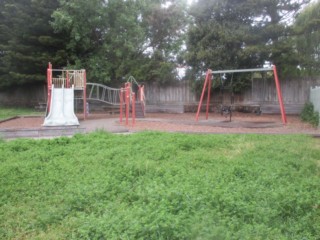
240 34
307 39
27 42
82 22
165 26
110 39
117 38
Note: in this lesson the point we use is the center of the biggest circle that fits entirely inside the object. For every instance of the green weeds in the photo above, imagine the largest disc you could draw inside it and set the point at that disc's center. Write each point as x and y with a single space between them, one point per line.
160 186
12 112
309 115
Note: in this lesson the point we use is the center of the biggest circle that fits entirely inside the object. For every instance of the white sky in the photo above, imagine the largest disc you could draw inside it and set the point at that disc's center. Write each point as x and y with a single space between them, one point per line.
167 4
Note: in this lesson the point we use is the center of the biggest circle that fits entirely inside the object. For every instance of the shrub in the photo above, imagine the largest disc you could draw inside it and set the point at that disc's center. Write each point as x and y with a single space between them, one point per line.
309 115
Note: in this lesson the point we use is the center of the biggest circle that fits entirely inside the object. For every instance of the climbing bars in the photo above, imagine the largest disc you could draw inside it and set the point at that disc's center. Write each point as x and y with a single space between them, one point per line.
127 98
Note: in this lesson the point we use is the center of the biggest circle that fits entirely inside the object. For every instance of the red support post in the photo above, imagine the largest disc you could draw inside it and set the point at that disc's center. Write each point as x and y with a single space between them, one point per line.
139 93
133 109
121 104
67 80
142 99
127 102
85 110
276 79
208 97
202 94
49 86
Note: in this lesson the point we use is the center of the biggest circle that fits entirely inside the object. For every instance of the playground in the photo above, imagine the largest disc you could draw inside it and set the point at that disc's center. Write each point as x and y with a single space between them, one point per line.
64 87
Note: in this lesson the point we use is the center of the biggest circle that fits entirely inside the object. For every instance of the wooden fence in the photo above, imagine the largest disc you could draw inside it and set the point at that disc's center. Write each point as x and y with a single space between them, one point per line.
295 93
175 97
169 97
180 97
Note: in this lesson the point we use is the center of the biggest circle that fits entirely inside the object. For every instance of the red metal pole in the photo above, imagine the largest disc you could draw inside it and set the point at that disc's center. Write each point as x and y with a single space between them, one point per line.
127 102
67 79
84 95
142 99
202 94
121 103
49 85
283 112
208 97
133 109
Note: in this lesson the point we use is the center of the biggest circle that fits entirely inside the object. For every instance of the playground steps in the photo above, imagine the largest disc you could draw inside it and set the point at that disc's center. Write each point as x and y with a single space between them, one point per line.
43 132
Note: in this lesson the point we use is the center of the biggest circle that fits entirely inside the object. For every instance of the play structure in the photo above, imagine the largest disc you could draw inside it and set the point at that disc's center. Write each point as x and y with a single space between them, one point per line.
227 109
129 101
61 85
130 105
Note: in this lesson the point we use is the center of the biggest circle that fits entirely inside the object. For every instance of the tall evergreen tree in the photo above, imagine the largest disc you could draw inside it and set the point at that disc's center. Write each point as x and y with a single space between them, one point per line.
307 39
27 42
240 34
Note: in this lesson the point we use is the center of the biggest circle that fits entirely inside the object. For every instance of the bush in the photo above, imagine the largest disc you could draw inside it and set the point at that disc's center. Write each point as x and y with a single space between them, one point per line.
309 115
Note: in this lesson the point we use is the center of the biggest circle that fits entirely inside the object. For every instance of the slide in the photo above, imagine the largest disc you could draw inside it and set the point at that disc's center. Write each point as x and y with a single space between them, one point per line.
62 108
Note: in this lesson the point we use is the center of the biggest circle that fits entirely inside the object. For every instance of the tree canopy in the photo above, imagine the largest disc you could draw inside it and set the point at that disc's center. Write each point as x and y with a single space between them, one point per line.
307 39
27 42
121 38
149 38
240 34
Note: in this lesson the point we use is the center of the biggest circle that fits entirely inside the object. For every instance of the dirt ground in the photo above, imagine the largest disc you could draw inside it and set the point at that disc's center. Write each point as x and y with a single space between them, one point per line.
186 122
240 123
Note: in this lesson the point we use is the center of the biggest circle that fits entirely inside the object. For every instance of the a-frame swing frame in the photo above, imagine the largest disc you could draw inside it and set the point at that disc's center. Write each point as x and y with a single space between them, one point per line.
208 83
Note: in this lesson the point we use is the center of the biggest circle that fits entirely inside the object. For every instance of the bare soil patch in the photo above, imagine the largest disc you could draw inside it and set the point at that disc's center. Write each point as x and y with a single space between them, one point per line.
241 123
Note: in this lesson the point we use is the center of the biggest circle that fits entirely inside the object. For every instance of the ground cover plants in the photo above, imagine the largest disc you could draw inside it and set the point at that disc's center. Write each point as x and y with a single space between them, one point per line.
309 115
7 112
160 186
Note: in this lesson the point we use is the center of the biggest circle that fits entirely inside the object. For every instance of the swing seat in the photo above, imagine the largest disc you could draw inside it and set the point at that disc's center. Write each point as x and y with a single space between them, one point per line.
225 110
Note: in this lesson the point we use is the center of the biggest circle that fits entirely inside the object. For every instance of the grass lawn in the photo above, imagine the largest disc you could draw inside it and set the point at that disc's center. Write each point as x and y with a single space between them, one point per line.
160 186
6 112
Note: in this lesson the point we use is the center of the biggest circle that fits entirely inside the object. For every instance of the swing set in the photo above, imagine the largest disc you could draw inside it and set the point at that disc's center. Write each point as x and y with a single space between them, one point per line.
227 110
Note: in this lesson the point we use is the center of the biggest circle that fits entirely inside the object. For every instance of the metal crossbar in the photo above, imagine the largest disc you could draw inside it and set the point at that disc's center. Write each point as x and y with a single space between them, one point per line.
242 70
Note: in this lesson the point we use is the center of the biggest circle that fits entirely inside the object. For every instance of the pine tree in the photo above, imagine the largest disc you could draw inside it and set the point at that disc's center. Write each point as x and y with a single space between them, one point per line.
27 41
241 34
307 39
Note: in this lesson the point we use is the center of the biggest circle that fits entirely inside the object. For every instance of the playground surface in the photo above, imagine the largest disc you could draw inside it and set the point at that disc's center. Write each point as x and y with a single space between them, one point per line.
241 123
